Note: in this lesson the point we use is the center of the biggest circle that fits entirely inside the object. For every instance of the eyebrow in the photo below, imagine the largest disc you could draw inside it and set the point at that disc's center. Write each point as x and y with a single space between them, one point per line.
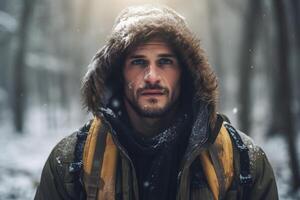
136 56
167 55
159 55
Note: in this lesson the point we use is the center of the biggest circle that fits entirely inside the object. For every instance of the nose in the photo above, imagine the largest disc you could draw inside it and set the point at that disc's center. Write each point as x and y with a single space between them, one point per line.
152 74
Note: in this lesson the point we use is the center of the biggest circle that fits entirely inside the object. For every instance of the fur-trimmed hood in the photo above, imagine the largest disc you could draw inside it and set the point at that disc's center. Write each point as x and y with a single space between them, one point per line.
138 24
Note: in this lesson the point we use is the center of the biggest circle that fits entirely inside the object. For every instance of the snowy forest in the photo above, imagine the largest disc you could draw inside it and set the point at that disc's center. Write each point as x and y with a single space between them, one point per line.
46 46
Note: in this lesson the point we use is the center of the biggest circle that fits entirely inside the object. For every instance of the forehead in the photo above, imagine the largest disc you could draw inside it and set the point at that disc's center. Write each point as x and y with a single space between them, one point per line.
154 45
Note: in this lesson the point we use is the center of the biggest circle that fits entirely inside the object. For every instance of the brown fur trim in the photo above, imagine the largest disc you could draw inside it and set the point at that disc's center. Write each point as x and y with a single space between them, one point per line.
139 24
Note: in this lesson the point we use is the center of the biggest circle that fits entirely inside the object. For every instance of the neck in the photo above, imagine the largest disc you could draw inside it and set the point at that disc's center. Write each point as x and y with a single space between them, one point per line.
149 126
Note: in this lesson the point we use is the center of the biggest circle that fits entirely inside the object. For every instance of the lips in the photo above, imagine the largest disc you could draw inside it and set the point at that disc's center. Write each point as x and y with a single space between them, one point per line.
152 92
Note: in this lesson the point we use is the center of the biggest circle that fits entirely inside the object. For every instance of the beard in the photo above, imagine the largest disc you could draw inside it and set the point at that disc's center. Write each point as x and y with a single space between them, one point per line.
151 111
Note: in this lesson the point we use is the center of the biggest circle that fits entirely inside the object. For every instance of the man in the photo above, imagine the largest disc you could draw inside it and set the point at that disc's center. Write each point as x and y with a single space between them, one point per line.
155 132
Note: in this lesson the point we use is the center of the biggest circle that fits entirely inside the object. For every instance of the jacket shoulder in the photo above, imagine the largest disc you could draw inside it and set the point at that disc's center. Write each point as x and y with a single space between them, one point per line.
57 180
255 152
66 160
63 152
250 154
263 180
68 152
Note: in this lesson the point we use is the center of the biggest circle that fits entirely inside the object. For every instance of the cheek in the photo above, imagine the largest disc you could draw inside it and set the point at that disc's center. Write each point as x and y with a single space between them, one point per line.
176 90
173 80
129 89
131 83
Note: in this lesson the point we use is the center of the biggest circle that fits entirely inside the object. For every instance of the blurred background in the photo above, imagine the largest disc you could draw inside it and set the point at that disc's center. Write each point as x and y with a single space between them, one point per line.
46 45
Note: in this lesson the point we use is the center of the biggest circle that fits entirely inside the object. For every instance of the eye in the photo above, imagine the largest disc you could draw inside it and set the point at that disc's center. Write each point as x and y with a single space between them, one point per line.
165 61
140 62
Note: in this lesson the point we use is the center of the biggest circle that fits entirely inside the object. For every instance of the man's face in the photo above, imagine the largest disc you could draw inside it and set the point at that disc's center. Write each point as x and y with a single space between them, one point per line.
152 78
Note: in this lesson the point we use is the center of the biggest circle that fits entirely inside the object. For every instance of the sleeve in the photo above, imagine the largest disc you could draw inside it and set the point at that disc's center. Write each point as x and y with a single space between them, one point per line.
51 185
264 185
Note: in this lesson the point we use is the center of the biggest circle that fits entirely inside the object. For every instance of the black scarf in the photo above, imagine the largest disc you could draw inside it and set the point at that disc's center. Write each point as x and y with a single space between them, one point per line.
157 159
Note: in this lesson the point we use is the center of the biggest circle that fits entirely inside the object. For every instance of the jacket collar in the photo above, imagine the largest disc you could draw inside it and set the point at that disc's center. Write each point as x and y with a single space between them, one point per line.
200 131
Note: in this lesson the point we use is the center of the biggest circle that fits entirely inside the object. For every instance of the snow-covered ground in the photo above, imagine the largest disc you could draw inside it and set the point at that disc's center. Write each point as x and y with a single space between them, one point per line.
21 161
23 157
276 151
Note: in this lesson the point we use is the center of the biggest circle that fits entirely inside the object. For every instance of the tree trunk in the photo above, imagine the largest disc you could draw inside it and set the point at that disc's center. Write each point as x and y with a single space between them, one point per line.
216 48
20 66
6 36
295 5
247 45
285 88
80 40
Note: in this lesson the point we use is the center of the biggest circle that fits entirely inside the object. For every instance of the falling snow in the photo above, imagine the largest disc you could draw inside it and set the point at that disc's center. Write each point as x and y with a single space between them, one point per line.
146 184
235 110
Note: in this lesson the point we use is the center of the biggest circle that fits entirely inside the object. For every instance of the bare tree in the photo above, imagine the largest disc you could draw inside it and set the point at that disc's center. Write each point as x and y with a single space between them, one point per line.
8 27
295 7
20 65
247 46
216 45
80 38
285 89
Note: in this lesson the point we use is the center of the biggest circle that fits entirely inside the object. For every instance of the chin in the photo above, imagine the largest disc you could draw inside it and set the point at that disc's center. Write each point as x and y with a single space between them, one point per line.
151 107
153 111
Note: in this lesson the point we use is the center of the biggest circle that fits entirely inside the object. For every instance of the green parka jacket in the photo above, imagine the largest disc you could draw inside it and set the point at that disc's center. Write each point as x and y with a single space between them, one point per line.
60 181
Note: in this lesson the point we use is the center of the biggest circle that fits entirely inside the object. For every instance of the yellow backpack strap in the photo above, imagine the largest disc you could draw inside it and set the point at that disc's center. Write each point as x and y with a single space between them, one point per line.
99 162
217 163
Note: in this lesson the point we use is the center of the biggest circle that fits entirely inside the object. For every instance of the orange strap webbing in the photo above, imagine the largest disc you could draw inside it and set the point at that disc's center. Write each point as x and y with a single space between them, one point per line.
99 162
217 163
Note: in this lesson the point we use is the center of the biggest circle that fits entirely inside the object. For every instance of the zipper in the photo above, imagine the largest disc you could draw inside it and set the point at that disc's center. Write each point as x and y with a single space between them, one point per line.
183 172
124 154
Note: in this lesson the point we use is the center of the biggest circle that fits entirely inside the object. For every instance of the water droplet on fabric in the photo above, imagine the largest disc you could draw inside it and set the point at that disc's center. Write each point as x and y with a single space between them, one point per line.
58 160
